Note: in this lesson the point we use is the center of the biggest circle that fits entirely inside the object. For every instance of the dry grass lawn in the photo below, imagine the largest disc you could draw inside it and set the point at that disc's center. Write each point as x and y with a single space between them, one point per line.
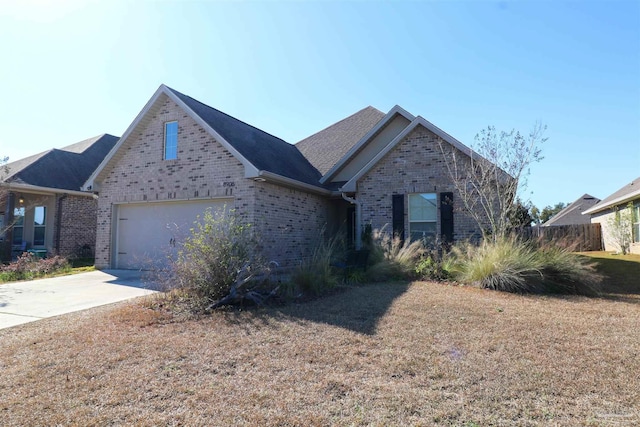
386 354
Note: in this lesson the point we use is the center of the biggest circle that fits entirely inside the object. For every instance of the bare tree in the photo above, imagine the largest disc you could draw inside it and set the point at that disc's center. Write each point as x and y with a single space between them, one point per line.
493 174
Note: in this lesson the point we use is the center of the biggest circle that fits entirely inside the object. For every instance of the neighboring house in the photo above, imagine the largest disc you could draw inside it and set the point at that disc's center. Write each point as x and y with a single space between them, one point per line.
572 214
605 211
43 203
180 157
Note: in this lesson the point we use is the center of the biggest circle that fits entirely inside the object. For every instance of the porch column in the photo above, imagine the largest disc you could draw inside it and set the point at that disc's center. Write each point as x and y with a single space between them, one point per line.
8 224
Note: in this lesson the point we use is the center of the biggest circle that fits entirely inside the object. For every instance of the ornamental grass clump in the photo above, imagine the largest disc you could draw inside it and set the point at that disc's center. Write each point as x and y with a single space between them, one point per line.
392 258
315 274
511 265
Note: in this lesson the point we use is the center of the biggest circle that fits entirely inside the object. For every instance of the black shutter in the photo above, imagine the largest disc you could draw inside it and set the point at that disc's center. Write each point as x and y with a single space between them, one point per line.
398 215
446 217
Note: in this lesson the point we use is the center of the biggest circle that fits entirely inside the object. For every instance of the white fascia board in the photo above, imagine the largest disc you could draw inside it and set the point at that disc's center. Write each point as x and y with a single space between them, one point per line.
90 182
396 110
27 188
622 199
351 185
457 144
283 180
250 171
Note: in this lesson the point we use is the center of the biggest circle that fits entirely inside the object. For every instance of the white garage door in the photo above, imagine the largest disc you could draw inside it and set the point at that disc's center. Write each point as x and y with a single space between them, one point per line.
148 233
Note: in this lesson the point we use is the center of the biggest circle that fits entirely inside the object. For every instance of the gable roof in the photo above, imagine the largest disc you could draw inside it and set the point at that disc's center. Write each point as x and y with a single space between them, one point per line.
61 169
324 149
265 151
572 214
261 154
359 145
627 193
351 185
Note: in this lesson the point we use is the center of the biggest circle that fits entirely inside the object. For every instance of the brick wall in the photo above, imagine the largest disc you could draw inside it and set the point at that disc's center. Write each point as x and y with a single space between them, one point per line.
415 165
204 169
77 217
290 222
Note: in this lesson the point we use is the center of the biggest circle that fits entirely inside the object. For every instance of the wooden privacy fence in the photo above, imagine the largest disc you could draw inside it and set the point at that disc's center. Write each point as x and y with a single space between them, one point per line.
578 237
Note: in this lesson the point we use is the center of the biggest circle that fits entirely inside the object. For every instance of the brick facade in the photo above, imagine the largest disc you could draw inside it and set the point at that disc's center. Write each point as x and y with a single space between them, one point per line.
288 221
76 218
415 165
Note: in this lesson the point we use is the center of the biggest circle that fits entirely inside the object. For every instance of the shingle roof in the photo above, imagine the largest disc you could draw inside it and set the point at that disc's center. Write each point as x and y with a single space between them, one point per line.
266 152
572 214
325 148
66 168
628 192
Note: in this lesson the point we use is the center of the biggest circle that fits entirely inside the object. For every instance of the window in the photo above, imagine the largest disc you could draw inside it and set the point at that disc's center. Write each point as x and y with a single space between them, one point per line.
39 220
18 226
636 222
171 140
423 216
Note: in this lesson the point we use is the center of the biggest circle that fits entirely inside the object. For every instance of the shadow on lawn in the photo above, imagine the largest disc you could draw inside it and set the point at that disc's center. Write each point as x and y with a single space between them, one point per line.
621 279
358 308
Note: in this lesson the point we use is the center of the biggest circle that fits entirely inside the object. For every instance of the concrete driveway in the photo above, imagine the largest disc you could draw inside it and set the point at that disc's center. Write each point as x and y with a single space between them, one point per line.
23 302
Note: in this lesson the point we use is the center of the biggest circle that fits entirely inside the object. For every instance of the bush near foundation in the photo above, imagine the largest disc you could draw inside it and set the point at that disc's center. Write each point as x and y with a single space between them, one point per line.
29 266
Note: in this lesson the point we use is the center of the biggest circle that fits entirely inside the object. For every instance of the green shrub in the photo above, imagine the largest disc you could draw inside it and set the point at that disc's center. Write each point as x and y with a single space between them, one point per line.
511 265
431 267
391 258
218 251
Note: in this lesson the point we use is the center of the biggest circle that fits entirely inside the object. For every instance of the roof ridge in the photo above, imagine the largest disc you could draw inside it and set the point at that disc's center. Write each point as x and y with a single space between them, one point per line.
338 122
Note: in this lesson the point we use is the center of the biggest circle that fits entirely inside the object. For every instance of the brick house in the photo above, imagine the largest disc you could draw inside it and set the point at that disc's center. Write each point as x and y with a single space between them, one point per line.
180 156
42 206
627 197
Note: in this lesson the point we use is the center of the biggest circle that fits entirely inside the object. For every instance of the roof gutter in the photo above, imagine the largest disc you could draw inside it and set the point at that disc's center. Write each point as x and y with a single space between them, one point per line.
283 180
626 198
28 188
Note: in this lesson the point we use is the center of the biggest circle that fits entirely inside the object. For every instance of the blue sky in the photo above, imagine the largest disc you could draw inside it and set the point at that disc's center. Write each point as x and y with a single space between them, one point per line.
79 68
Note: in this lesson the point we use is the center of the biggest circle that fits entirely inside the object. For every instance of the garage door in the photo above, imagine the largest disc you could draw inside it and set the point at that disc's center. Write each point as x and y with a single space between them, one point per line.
148 233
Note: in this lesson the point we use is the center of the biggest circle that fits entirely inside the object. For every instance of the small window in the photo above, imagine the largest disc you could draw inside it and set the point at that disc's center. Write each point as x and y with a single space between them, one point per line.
636 223
39 223
171 140
18 226
423 216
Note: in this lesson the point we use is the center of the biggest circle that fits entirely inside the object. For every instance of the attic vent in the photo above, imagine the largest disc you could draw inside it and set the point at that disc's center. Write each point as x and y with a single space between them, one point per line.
589 198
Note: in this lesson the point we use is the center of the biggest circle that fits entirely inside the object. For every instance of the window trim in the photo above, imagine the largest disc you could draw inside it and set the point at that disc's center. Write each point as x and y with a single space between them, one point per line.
411 221
18 226
166 141
37 226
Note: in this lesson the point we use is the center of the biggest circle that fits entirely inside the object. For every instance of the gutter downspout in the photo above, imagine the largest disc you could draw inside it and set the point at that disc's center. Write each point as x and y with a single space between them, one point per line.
358 220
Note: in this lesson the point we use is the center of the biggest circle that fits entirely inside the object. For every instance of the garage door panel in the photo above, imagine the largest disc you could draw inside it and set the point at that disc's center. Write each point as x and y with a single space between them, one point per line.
149 233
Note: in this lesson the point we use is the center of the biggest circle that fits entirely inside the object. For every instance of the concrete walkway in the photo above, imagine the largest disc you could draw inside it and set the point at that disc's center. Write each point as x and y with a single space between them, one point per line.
23 302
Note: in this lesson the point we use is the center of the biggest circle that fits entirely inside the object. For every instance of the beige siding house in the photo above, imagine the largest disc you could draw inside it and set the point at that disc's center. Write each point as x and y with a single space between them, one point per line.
625 199
180 156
